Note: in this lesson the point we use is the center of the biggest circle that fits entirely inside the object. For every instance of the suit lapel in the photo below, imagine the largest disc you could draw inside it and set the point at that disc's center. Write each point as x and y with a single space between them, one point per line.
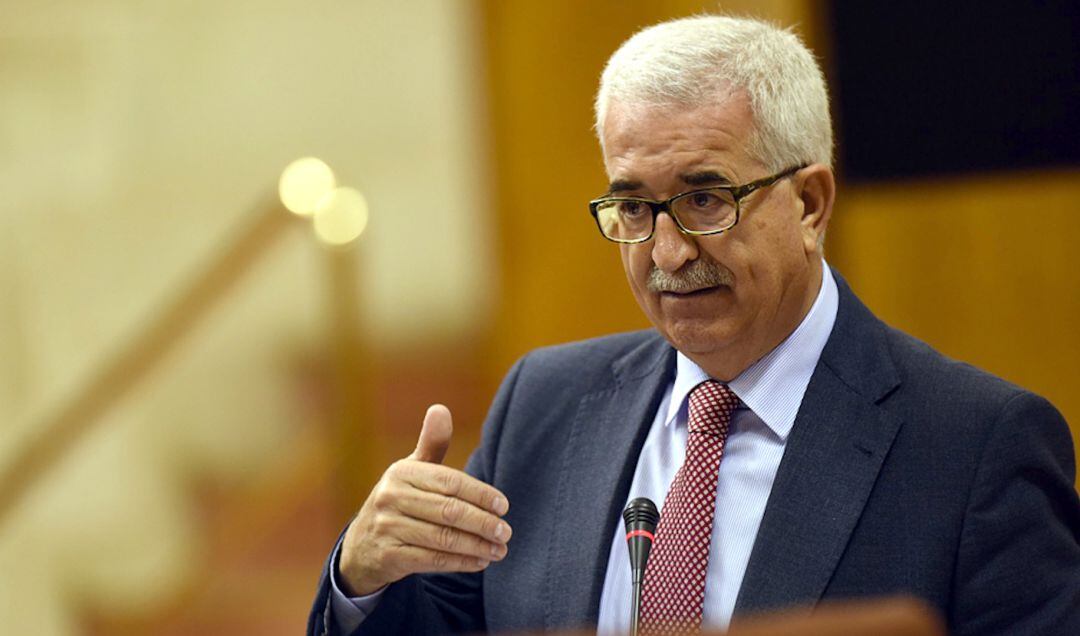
833 456
599 458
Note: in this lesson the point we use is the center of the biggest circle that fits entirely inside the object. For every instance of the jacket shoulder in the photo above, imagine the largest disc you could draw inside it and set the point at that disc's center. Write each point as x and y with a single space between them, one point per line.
596 359
926 371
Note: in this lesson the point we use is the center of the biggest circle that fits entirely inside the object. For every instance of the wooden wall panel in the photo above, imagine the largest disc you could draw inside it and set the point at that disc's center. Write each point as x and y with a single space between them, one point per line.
982 268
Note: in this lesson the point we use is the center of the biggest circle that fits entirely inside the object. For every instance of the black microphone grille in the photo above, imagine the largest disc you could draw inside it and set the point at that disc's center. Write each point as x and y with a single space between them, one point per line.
641 510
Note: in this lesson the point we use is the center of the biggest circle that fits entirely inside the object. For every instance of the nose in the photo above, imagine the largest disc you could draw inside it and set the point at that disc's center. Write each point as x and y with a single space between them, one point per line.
671 248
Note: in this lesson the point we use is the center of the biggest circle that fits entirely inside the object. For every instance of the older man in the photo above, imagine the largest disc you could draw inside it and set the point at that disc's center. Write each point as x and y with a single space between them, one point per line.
802 450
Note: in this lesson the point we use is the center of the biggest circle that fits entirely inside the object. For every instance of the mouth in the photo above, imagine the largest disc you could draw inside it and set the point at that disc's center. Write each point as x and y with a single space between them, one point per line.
697 293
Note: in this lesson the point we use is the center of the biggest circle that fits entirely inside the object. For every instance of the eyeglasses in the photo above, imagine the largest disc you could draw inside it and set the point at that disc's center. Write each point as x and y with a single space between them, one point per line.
697 212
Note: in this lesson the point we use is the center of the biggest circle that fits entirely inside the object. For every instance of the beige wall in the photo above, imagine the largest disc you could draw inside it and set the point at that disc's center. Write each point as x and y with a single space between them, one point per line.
135 139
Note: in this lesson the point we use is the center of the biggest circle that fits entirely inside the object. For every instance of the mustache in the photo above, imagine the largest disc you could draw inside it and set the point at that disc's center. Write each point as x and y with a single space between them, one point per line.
695 275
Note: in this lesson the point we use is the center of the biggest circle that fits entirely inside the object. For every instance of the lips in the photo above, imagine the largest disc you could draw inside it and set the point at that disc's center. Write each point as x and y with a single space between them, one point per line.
690 294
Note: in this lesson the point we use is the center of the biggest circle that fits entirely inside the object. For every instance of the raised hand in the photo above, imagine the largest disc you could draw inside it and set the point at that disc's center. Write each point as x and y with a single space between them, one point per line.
424 517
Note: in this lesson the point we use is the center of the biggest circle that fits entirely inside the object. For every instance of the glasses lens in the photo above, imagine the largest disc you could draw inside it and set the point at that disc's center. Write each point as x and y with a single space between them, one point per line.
624 220
705 210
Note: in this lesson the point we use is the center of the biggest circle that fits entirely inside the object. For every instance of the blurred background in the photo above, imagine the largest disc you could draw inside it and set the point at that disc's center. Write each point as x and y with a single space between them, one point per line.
198 387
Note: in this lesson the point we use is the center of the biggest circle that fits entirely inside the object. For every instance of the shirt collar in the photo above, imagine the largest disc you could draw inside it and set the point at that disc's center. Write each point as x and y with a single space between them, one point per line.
772 387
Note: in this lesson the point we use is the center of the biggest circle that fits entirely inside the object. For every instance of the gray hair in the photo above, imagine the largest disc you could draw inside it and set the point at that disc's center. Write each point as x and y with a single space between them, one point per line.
691 61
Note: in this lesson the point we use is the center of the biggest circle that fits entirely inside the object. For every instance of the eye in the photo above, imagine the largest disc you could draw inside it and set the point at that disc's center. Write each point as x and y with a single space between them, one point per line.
632 209
704 200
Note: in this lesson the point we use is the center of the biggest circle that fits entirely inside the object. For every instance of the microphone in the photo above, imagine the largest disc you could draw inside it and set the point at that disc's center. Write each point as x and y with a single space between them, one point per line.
640 517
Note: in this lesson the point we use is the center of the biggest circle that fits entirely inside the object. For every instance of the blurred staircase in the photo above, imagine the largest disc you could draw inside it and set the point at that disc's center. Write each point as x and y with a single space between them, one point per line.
134 508
265 545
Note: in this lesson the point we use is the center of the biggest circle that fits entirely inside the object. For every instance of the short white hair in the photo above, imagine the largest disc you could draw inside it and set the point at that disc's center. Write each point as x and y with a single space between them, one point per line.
692 61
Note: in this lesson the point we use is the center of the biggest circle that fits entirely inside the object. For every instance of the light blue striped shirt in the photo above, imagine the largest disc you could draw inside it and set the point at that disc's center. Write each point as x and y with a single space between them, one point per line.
771 391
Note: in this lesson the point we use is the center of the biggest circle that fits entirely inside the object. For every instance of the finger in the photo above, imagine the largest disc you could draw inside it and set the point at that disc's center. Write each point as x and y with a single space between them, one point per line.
417 559
434 435
455 483
446 539
456 513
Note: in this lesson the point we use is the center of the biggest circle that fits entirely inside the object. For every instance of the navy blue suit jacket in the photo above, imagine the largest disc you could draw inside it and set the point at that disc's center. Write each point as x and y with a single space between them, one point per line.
905 473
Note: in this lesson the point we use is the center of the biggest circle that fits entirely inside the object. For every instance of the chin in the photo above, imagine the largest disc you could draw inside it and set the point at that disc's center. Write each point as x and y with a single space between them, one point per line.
697 338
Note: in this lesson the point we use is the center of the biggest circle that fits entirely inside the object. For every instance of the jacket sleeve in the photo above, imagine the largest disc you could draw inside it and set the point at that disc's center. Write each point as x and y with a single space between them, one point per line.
1018 566
430 603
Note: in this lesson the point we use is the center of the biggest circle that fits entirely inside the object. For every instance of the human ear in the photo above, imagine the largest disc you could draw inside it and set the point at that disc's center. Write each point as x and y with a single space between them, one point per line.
817 190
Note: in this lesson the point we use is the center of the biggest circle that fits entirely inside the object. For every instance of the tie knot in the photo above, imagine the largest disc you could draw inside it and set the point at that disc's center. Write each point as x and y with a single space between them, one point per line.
711 406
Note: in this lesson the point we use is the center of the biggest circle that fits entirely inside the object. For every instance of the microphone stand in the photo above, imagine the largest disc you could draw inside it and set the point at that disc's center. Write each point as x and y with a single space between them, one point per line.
635 607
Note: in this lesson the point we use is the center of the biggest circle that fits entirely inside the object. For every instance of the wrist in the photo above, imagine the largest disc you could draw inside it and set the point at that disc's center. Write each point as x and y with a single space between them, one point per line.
355 581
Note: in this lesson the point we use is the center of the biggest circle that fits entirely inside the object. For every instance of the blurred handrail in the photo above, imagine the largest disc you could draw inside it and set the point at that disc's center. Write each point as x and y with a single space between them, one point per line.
56 435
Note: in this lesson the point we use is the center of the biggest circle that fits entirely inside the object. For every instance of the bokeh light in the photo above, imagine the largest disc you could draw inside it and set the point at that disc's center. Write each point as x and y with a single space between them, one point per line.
304 184
341 216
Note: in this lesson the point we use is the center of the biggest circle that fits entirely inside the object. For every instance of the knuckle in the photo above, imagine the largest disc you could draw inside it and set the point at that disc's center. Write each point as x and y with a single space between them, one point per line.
450 482
440 560
452 510
381 524
398 469
381 504
447 539
381 494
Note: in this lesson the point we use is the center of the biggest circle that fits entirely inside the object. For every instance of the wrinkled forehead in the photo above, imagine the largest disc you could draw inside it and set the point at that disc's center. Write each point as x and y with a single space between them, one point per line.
723 125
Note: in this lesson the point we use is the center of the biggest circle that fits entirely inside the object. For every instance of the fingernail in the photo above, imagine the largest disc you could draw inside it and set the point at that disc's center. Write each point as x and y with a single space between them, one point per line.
500 506
494 553
502 532
482 563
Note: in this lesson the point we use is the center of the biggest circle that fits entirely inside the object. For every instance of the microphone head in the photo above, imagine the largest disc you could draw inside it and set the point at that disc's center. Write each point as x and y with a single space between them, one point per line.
640 517
641 514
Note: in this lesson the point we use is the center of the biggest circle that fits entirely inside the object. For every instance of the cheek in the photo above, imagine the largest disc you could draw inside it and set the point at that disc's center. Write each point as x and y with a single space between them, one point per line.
776 242
781 262
760 258
637 261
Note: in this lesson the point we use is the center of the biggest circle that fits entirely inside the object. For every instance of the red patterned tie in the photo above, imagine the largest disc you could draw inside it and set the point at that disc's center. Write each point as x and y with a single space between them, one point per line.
674 592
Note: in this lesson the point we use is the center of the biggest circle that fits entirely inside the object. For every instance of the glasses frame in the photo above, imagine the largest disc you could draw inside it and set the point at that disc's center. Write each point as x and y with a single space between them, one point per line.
738 193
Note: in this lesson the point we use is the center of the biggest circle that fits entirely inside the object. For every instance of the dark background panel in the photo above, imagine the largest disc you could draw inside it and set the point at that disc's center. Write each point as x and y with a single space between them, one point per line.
939 88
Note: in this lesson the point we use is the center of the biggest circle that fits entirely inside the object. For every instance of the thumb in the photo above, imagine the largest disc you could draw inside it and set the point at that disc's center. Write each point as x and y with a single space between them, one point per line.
434 435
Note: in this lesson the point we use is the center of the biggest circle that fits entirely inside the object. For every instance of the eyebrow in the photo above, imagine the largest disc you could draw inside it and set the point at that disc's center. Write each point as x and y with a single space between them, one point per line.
623 185
701 178
705 178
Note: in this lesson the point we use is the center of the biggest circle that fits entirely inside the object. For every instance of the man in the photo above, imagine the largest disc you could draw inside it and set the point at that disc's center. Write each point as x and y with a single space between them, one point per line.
802 450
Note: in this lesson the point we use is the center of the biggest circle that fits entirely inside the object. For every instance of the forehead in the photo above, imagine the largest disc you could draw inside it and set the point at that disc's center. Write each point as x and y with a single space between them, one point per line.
654 142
